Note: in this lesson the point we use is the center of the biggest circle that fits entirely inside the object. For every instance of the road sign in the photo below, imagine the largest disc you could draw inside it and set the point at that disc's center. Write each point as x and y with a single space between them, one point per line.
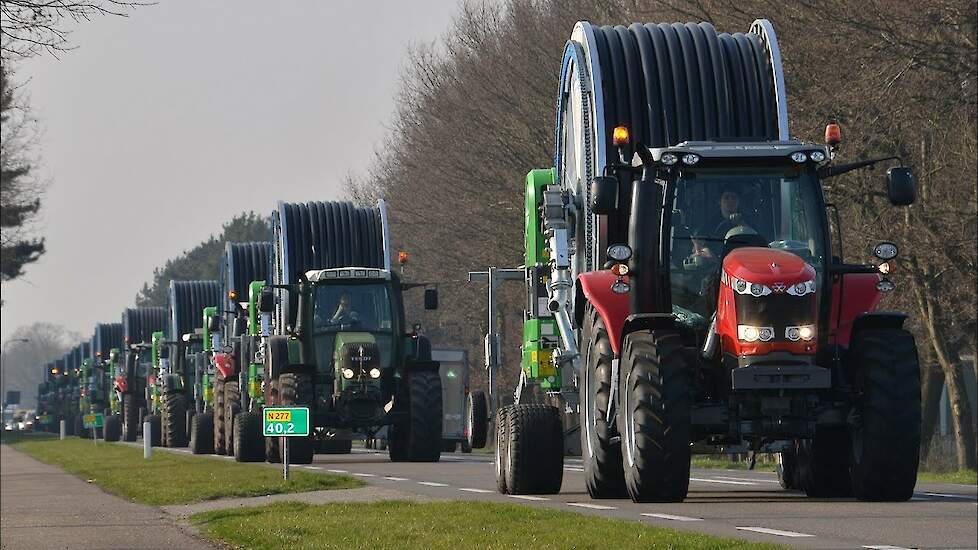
93 420
285 422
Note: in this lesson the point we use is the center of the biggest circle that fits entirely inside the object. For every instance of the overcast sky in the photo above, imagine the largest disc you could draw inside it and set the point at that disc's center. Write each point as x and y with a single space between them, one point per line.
163 125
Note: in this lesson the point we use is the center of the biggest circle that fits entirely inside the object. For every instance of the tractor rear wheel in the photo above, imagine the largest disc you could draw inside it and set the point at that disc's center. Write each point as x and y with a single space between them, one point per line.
604 476
174 418
886 431
502 437
534 450
654 416
156 430
130 417
79 425
202 434
478 419
113 427
248 444
788 470
220 447
822 463
232 406
418 437
296 390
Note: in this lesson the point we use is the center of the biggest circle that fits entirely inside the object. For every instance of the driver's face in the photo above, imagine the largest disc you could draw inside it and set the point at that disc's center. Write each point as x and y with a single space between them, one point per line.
729 202
345 300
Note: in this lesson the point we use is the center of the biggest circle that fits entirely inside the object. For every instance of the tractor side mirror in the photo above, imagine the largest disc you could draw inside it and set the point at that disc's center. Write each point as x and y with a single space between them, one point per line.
431 298
901 186
214 323
604 194
266 301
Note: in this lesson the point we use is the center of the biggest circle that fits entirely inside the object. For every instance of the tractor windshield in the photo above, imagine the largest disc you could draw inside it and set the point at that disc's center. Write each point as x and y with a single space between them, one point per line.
344 308
779 208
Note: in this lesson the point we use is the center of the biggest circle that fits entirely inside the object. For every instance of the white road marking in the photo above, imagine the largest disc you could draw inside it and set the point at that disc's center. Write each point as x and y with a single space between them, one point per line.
450 457
312 467
338 471
885 547
946 495
776 532
572 469
748 479
672 517
527 497
358 474
590 506
392 478
724 481
432 484
472 490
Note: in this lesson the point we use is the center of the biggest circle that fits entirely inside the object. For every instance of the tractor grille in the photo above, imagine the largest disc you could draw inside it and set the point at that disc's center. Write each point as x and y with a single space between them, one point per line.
775 310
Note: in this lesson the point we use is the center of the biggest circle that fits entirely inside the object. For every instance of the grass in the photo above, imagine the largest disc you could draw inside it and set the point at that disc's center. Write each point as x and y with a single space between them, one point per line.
168 478
962 477
719 462
437 525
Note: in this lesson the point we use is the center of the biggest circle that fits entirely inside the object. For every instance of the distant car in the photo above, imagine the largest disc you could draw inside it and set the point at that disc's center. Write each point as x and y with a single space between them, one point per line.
9 426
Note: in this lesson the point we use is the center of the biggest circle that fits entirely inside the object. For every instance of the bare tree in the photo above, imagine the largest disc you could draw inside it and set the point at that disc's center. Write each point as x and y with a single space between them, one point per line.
30 27
23 362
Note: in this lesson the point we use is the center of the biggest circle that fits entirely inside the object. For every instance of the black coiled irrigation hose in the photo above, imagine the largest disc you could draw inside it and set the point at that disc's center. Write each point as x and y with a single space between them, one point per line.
667 83
106 337
186 303
139 324
322 235
243 263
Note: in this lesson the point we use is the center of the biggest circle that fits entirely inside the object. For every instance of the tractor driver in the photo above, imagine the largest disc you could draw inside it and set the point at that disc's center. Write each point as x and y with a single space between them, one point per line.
708 240
345 315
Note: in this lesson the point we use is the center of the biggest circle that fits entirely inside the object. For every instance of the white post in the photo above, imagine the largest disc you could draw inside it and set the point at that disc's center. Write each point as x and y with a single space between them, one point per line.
147 440
94 439
63 428
285 458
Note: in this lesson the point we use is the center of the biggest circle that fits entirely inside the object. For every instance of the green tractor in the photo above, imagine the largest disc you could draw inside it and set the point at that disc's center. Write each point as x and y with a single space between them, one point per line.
133 365
334 338
106 338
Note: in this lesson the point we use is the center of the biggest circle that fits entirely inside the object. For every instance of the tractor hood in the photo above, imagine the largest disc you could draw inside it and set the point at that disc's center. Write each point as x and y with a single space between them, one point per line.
773 268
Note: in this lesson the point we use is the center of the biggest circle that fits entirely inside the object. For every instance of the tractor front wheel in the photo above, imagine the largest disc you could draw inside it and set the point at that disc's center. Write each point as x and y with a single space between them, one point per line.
156 430
220 441
130 417
202 434
296 390
113 427
477 410
232 406
654 416
822 463
417 438
174 418
248 444
886 430
534 450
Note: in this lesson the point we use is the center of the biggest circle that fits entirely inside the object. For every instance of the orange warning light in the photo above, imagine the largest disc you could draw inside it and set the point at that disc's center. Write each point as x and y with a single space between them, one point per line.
402 257
833 134
620 136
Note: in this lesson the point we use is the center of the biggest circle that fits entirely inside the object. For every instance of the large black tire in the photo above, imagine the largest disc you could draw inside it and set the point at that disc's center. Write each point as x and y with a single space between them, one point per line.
534 450
79 426
130 417
220 440
449 445
822 463
232 406
654 416
604 475
189 420
477 410
174 419
156 427
272 443
502 437
417 438
296 390
886 430
248 439
335 446
202 434
113 428
788 470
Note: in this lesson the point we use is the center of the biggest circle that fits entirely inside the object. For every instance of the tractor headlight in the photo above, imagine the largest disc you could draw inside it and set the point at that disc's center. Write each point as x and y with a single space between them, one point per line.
691 158
817 156
803 288
749 333
669 159
741 286
348 373
802 332
799 157
375 372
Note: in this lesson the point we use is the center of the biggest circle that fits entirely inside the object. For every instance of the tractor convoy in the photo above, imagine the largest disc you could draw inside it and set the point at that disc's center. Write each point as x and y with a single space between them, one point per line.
686 294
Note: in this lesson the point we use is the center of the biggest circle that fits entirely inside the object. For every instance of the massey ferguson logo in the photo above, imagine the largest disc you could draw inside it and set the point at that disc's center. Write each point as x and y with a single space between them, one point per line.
779 288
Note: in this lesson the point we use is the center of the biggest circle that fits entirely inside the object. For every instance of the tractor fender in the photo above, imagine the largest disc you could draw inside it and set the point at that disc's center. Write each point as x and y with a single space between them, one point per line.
874 320
594 288
224 362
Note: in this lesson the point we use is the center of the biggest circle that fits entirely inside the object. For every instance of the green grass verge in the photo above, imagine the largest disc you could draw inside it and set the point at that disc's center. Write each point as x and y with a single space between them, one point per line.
169 478
724 463
437 525
962 477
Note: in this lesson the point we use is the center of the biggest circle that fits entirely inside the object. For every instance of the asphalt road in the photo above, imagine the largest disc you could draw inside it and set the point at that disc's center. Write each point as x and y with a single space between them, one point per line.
732 503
